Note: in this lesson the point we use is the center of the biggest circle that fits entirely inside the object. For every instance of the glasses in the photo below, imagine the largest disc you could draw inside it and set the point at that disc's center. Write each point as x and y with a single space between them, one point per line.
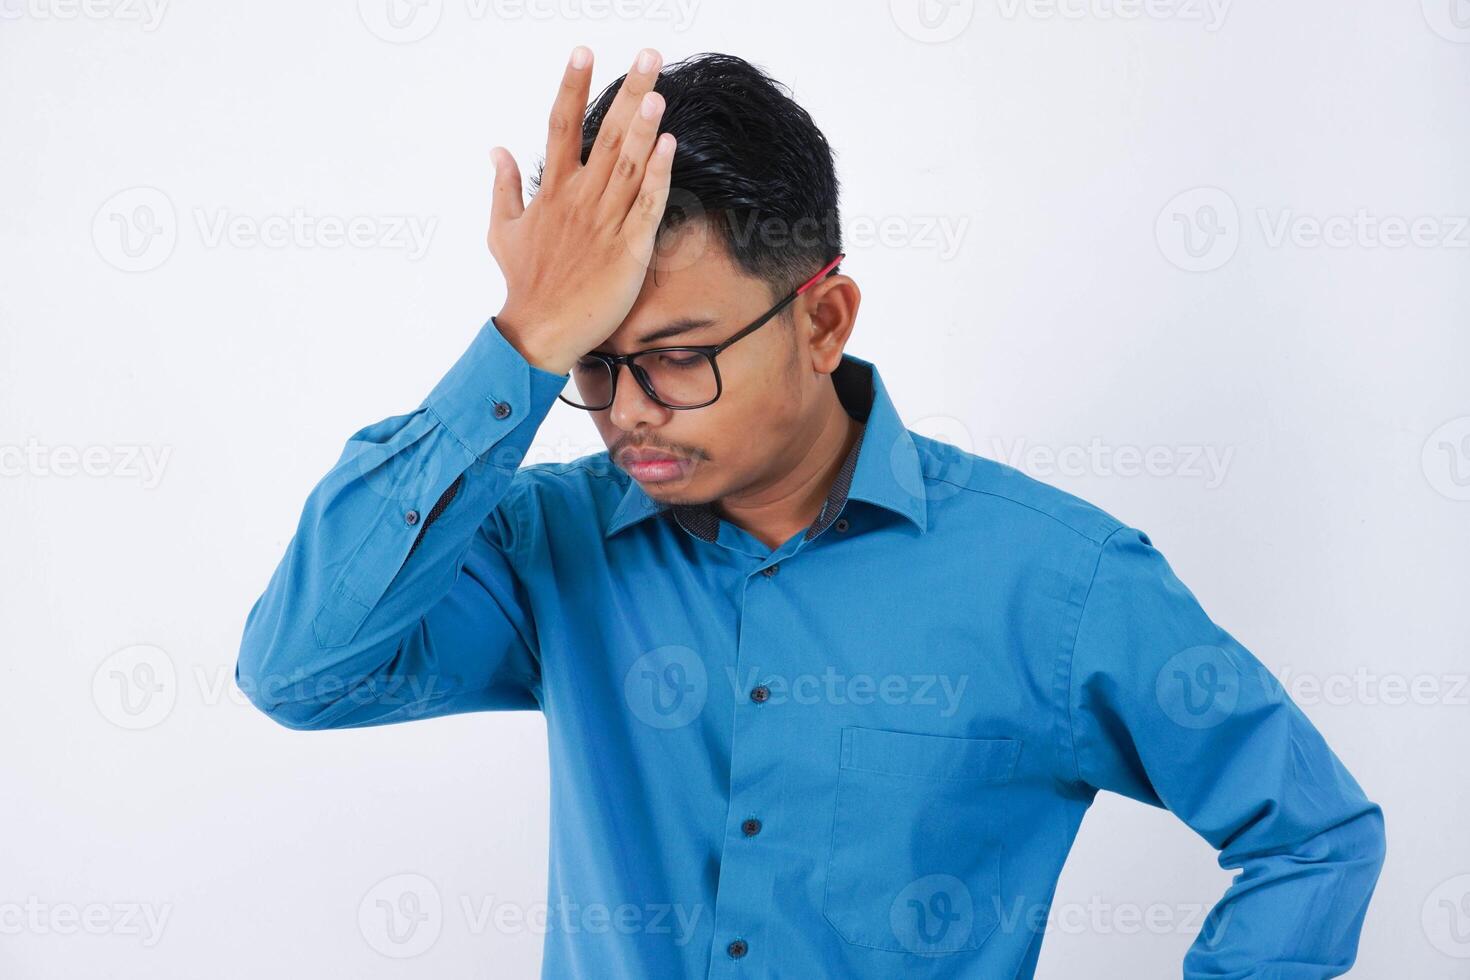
676 377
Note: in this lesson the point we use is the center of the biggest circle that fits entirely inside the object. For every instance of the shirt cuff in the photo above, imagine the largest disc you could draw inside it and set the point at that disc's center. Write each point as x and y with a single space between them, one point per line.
491 391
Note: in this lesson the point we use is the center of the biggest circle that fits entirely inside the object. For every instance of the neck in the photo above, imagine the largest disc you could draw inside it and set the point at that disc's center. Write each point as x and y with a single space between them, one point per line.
774 512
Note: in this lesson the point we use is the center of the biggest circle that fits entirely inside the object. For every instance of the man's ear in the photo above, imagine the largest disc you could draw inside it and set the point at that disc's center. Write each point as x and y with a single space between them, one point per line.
828 312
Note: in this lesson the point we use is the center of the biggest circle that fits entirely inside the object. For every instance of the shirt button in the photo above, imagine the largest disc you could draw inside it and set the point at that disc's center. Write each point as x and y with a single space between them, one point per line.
502 409
750 827
761 694
737 949
770 570
411 518
841 524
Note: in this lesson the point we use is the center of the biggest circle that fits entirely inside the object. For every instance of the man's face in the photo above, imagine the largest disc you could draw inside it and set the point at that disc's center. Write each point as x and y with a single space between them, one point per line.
738 440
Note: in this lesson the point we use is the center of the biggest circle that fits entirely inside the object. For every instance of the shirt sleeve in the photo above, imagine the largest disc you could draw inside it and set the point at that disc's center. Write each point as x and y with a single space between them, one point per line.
1167 708
398 596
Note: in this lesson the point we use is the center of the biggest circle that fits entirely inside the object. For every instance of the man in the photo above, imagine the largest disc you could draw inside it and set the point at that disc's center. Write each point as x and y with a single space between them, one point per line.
824 697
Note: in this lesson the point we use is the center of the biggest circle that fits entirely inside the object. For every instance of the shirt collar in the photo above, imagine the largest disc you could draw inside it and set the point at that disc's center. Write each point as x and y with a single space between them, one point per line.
882 468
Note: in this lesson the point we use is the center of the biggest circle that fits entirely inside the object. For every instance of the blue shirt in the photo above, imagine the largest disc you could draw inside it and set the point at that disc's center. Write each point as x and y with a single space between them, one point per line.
863 754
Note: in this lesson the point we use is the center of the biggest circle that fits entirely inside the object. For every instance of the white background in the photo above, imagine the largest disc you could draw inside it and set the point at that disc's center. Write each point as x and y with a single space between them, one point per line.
1012 179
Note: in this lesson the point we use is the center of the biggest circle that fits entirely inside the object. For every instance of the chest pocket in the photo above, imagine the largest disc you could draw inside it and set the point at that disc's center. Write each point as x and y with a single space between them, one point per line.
915 858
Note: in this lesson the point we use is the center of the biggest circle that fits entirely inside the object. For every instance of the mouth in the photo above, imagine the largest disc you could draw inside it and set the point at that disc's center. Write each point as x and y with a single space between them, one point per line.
656 467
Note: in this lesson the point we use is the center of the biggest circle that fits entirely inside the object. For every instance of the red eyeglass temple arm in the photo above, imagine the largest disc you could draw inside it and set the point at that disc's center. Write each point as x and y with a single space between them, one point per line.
825 269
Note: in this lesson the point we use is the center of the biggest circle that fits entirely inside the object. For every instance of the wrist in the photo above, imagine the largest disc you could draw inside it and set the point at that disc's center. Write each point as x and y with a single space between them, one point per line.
509 327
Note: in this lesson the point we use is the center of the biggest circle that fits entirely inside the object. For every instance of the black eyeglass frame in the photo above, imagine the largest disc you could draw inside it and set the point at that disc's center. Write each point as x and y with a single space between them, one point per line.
614 361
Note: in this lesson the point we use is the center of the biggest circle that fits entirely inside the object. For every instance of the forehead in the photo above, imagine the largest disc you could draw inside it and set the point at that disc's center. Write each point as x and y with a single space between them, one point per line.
686 258
690 277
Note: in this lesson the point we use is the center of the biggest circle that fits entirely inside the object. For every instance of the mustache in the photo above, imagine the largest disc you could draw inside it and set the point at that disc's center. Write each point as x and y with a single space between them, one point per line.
625 446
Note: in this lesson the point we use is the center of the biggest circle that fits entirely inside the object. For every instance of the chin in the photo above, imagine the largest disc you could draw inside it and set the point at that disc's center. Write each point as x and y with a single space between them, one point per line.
670 494
675 492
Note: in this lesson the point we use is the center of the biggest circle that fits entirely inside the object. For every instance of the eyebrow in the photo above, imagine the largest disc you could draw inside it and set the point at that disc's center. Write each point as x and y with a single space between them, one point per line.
673 329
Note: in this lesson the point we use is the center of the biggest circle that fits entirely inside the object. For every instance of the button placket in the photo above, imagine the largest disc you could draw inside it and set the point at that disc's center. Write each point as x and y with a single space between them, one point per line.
746 870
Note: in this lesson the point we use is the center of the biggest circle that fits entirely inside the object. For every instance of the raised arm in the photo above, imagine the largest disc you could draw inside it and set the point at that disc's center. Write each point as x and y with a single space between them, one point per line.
1166 707
397 597
401 594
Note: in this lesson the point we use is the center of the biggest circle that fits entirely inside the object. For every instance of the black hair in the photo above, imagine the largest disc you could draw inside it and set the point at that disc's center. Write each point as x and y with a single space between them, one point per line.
749 160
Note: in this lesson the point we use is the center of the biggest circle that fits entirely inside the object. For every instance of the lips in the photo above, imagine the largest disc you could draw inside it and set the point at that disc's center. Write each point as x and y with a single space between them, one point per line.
653 467
645 456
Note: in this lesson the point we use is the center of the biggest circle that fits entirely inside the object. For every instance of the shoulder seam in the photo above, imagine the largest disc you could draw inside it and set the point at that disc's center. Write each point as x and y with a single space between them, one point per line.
1085 535
1072 647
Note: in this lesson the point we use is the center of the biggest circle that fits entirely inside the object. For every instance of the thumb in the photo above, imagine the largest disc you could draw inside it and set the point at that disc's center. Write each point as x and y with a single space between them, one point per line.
508 202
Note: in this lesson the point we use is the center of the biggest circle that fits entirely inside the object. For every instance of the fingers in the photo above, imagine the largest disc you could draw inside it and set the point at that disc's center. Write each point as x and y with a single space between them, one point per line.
641 225
508 202
639 81
627 173
564 129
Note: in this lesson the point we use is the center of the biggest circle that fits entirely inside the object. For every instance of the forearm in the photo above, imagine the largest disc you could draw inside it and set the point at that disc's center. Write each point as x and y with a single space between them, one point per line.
1297 907
1168 708
342 614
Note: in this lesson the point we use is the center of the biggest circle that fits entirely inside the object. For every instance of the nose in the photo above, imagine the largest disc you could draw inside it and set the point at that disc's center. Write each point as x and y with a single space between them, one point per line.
631 404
